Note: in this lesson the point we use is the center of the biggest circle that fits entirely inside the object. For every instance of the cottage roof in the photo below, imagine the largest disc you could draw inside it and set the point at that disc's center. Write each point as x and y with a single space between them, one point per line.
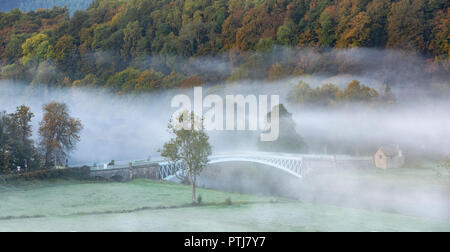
390 150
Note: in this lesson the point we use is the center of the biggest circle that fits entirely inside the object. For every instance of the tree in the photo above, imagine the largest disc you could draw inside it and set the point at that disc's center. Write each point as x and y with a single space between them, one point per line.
378 11
36 48
148 80
357 32
190 145
352 91
65 50
264 45
4 147
289 140
13 49
19 132
327 23
406 25
123 81
131 36
285 36
20 121
229 27
355 92
47 73
327 95
440 42
172 80
258 22
301 93
101 34
14 72
277 71
388 96
330 95
58 132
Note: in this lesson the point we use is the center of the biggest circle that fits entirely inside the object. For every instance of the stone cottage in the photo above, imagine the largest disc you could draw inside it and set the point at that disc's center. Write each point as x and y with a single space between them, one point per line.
389 156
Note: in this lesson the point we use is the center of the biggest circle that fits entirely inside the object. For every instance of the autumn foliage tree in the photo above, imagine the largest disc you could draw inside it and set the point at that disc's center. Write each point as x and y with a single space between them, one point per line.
329 95
190 145
406 25
114 40
23 152
58 132
16 146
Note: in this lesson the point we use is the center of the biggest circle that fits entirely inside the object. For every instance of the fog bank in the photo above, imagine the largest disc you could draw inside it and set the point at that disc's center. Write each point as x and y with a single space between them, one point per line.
135 126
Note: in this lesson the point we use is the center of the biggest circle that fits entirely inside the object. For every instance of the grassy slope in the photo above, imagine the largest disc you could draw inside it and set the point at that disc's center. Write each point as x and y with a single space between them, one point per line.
61 202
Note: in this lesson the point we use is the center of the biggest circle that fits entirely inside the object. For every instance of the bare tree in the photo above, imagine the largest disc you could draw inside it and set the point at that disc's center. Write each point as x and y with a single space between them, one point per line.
59 133
189 145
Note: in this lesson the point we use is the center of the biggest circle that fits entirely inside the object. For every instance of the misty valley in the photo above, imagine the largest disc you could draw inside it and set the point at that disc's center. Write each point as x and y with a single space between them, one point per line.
118 129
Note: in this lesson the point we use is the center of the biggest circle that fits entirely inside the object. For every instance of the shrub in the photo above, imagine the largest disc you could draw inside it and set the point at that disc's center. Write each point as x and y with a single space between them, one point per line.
80 173
228 201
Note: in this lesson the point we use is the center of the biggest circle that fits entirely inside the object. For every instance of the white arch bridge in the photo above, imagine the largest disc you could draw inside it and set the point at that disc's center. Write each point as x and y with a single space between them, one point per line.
289 163
297 165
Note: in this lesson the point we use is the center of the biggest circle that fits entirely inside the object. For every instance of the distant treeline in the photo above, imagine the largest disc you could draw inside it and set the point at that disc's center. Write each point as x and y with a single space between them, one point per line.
145 45
32 5
329 95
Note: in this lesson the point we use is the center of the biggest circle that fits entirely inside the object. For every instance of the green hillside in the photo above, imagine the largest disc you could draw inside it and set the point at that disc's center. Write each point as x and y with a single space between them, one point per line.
145 45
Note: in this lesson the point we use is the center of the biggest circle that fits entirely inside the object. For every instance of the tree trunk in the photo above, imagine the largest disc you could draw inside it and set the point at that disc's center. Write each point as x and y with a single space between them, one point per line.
193 192
193 186
192 178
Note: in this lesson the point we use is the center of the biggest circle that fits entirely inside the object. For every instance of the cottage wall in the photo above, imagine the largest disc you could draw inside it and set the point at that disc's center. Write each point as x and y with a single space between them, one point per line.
381 161
389 159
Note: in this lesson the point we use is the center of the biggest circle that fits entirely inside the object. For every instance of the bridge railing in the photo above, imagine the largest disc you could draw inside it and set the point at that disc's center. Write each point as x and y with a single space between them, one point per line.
123 164
288 155
221 155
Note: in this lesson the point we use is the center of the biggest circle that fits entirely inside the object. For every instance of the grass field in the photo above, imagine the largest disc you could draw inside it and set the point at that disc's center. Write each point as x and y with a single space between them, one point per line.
144 205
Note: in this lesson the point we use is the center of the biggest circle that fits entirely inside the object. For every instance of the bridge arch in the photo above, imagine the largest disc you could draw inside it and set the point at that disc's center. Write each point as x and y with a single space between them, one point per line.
291 165
295 172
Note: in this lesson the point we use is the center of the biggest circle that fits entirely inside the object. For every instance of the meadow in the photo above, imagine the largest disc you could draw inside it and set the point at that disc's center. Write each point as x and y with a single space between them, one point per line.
145 205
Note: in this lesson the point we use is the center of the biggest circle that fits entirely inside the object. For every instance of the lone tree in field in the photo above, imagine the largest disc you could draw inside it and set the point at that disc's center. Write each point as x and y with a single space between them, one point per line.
59 133
190 145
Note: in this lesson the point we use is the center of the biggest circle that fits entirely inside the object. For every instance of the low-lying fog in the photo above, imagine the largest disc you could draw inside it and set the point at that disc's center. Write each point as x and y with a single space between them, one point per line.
135 126
351 187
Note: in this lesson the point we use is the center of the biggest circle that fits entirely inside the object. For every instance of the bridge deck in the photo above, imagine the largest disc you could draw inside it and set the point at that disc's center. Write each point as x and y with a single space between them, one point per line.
289 162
